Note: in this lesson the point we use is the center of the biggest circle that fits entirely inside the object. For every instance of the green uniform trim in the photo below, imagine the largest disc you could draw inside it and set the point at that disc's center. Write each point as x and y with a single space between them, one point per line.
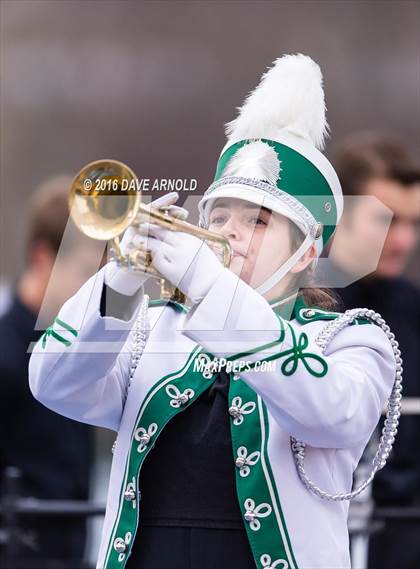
51 332
255 486
163 302
155 413
158 408
299 177
263 347
305 314
296 353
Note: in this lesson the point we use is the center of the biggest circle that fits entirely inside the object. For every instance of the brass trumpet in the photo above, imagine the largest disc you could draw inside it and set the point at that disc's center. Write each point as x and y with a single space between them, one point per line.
104 201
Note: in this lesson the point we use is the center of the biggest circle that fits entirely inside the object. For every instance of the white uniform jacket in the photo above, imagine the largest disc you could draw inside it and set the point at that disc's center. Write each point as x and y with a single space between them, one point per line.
332 401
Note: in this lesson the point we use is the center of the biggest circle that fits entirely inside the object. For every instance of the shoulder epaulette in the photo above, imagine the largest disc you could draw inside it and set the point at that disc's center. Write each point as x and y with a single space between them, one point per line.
307 315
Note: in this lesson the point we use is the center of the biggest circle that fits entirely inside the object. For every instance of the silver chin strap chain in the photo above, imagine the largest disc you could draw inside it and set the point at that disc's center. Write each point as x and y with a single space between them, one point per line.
392 414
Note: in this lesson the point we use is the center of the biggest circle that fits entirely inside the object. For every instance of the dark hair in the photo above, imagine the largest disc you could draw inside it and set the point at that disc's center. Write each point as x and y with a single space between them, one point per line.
363 156
324 298
48 213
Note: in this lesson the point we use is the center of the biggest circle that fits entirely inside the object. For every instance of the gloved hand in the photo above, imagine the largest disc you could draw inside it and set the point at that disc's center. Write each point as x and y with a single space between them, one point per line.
184 260
128 282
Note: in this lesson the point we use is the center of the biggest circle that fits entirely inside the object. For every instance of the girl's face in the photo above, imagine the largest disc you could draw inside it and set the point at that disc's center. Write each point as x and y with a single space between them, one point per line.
260 238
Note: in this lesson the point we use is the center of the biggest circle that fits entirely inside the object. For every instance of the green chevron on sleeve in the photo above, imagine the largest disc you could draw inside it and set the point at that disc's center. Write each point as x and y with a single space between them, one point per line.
53 333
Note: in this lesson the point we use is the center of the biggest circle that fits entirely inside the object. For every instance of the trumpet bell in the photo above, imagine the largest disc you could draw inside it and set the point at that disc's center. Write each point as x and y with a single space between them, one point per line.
102 202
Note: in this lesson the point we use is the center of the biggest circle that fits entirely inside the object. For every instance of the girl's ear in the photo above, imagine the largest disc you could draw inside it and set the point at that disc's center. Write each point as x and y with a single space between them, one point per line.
305 260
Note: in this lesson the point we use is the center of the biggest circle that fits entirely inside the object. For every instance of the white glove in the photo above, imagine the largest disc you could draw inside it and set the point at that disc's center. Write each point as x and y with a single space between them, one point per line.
128 282
184 260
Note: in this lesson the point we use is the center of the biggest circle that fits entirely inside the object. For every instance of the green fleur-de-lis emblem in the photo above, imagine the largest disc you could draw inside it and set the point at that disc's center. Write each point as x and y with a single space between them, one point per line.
121 544
253 512
130 493
144 436
177 398
237 410
297 353
245 460
277 564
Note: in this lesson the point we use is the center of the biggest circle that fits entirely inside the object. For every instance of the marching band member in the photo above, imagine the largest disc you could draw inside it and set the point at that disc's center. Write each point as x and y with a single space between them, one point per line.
206 400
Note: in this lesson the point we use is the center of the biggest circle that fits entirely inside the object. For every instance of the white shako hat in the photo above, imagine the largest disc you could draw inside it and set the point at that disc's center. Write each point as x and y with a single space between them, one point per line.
272 156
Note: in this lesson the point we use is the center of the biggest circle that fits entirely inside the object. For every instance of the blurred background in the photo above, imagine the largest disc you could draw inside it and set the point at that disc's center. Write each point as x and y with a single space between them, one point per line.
152 83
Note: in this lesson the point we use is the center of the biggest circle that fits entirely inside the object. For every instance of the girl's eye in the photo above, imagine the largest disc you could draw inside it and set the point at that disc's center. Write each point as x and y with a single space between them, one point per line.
257 220
217 219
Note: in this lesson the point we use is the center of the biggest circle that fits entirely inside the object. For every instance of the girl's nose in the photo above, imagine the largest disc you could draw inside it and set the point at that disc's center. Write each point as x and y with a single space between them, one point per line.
230 229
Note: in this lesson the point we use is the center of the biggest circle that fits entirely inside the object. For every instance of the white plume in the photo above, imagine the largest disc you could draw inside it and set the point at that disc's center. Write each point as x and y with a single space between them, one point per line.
256 160
290 97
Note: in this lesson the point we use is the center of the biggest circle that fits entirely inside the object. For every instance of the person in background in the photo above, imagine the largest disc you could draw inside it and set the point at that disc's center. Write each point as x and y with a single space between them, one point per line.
52 453
376 165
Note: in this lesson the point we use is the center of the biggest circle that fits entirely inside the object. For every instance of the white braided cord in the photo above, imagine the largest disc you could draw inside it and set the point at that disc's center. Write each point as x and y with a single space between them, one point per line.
137 347
393 412
139 341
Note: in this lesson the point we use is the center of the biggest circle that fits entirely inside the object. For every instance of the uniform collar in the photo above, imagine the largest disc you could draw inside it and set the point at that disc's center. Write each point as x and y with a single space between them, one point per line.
288 306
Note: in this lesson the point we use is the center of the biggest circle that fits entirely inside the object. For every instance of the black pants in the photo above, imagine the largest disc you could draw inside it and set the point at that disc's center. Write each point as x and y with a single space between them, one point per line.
397 546
159 547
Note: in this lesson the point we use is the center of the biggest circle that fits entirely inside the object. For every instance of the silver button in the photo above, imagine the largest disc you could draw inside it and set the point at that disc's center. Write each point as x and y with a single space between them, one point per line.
327 207
183 398
145 439
130 494
240 461
309 313
234 411
249 516
119 545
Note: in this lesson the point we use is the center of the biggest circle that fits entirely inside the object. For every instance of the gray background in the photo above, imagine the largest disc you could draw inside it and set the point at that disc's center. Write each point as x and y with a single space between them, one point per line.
151 83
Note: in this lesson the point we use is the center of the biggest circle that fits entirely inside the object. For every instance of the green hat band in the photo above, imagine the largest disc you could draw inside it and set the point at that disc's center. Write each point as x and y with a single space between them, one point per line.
300 178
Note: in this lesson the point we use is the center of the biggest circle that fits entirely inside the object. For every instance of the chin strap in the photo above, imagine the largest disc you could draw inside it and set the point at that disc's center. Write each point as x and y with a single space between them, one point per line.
286 266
